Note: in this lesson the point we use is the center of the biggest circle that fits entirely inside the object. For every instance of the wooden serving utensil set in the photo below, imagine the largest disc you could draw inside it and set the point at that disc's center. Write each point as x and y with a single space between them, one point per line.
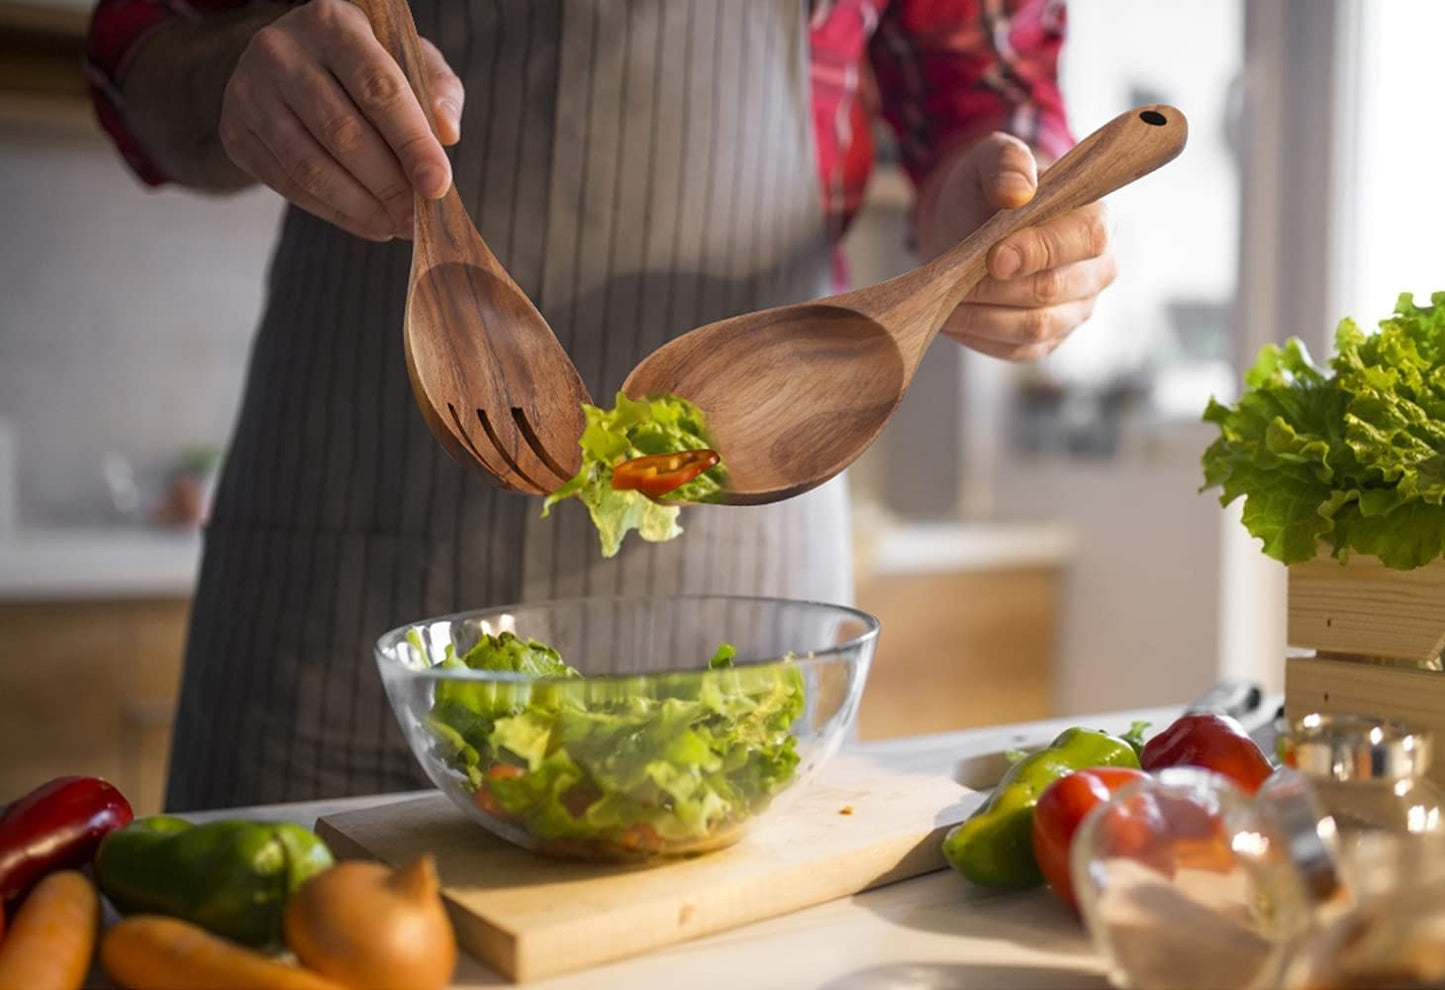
792 395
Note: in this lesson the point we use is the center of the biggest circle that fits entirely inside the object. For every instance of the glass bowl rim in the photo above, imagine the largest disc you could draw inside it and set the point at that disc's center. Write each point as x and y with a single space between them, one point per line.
837 653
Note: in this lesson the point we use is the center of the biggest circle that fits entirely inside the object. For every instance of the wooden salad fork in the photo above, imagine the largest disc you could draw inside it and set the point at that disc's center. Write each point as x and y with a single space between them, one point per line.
794 394
494 384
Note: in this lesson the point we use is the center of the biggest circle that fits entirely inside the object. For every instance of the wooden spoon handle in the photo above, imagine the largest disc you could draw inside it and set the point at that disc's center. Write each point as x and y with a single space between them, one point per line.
1131 145
444 230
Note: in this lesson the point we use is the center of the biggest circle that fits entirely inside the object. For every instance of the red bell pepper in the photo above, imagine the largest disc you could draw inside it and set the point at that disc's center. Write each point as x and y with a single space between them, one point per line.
1061 808
658 474
57 826
1214 742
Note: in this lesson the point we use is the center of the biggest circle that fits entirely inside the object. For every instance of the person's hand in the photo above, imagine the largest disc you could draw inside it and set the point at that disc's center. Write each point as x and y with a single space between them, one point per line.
1042 281
320 112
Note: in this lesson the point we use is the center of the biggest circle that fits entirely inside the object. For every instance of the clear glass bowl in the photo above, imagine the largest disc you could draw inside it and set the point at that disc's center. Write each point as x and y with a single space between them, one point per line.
650 752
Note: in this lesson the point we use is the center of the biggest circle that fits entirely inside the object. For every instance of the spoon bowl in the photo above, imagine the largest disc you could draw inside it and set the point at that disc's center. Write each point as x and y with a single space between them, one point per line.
795 394
856 378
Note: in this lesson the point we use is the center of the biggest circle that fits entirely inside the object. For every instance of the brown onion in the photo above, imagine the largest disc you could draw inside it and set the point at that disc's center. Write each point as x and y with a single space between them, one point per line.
366 925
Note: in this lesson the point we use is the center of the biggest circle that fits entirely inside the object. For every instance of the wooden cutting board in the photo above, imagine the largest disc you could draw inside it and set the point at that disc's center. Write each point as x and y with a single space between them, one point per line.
860 825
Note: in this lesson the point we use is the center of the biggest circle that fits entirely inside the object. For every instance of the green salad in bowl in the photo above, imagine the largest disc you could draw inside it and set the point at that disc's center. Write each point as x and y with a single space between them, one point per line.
604 729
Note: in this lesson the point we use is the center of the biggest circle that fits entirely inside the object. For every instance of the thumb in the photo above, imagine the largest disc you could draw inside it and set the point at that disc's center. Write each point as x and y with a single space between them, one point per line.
447 94
1006 171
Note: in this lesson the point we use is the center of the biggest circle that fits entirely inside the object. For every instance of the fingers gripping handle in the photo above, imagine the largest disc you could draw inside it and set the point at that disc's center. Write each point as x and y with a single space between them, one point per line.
1128 147
392 22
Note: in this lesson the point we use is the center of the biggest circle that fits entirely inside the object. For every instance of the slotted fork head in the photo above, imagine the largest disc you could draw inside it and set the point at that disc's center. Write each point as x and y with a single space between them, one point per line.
496 387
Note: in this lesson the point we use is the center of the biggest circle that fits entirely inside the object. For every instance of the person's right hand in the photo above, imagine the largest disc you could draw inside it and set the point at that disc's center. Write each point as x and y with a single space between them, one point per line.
320 112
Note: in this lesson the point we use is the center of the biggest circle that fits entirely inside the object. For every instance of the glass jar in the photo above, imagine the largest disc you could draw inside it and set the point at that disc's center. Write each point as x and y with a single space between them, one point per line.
1368 773
1390 930
1184 882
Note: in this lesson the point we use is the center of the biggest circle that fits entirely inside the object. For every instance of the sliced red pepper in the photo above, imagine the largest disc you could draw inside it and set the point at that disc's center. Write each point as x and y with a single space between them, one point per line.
485 800
1063 806
1214 742
57 826
658 474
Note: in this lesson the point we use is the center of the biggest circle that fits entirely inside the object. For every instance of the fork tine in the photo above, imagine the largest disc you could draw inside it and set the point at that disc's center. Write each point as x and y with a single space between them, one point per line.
513 458
524 449
538 448
502 478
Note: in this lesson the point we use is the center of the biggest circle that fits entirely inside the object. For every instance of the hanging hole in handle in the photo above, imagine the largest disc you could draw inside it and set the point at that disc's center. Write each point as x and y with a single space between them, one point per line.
1154 118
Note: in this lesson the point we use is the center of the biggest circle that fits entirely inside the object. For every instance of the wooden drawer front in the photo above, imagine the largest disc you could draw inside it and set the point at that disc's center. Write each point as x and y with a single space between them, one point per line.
89 688
960 650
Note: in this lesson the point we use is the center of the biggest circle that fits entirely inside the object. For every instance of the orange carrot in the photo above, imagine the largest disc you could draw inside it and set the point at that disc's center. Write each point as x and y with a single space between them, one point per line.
52 935
149 952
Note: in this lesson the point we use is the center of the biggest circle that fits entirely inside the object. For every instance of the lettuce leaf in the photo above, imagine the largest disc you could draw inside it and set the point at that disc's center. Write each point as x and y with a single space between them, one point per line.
1353 460
490 701
665 425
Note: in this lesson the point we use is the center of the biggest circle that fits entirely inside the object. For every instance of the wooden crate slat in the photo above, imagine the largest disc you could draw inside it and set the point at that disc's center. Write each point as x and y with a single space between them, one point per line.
1365 609
1351 687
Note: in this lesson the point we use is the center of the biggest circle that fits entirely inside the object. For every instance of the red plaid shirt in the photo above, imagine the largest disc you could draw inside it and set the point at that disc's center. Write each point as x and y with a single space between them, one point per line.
941 72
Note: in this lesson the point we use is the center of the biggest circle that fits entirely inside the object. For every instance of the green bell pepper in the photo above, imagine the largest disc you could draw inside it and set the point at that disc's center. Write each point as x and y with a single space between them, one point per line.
993 847
230 877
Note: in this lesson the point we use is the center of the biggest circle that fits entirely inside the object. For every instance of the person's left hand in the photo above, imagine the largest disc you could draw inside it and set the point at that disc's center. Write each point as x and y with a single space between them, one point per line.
1042 281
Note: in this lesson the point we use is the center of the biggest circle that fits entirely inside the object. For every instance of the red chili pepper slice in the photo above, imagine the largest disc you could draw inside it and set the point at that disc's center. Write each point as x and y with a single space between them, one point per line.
658 474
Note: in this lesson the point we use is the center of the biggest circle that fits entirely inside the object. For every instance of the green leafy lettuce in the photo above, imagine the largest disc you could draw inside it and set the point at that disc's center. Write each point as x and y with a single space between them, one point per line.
635 763
665 425
1352 459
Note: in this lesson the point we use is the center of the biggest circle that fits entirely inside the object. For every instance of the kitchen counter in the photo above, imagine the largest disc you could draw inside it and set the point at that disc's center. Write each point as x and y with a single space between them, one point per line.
931 932
954 547
98 563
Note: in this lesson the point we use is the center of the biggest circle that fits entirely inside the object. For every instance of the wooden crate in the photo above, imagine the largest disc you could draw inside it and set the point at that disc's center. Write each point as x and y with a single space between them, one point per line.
1377 636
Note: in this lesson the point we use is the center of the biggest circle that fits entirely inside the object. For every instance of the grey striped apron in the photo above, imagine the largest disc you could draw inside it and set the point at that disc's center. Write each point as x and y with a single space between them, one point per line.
640 167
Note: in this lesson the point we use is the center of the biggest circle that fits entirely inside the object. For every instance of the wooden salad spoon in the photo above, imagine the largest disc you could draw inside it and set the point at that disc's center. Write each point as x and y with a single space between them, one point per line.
793 395
494 384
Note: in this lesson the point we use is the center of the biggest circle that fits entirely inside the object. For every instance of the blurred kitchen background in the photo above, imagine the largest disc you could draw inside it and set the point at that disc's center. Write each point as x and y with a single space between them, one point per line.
1032 537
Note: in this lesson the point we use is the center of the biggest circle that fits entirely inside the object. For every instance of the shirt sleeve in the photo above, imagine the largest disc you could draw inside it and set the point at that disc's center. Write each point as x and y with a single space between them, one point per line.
951 71
117 27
